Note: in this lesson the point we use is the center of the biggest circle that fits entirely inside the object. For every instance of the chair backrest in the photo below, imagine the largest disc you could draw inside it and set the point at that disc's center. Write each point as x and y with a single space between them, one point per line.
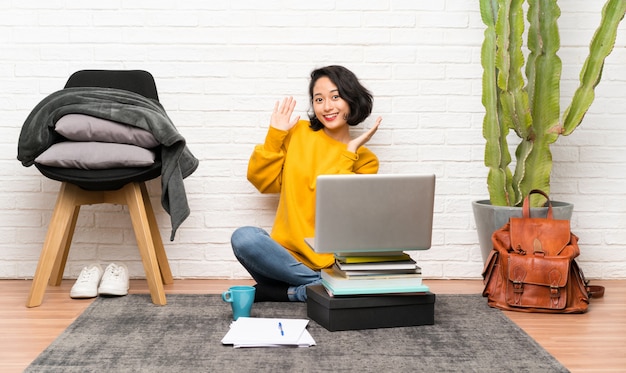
138 81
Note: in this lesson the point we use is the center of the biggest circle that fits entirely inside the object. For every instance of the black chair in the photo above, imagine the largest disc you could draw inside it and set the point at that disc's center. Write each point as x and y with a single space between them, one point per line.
124 186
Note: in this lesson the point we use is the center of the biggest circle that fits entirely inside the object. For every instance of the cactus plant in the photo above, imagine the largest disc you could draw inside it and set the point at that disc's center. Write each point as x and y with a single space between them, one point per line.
531 107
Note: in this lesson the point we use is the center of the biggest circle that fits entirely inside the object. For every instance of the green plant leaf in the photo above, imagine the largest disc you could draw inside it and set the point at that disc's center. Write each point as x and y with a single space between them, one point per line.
497 156
600 47
543 72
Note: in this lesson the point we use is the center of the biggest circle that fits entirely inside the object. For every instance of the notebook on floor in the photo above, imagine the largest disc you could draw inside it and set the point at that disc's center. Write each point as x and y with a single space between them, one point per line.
373 213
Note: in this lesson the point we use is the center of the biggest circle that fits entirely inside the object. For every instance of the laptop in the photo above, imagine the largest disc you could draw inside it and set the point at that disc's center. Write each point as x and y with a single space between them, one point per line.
373 213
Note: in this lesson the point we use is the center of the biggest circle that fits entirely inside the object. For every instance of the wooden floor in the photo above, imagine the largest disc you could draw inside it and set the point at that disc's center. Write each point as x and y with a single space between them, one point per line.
591 342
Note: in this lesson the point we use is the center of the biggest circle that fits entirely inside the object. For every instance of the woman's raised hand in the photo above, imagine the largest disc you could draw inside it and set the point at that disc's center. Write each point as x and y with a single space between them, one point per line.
281 116
357 142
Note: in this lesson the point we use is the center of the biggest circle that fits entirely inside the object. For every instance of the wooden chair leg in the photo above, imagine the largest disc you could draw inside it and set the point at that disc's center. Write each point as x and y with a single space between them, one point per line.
59 265
164 265
58 228
143 234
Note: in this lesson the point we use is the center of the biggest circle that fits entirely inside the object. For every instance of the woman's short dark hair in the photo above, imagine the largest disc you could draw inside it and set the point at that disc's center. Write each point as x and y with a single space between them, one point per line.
359 99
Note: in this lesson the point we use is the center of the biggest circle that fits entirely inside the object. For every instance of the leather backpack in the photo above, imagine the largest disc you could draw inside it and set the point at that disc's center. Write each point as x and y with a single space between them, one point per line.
532 266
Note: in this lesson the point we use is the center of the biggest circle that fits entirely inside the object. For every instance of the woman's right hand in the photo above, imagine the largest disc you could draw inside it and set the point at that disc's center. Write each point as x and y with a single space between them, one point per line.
281 116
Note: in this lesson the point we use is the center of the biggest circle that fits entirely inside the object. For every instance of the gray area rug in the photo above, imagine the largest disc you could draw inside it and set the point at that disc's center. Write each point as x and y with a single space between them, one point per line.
130 334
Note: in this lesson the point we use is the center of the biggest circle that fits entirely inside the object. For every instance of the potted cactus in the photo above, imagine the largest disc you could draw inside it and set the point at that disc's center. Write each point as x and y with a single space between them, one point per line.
528 102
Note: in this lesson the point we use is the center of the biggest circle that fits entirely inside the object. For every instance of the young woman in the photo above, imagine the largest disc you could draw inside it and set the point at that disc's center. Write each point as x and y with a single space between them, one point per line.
294 153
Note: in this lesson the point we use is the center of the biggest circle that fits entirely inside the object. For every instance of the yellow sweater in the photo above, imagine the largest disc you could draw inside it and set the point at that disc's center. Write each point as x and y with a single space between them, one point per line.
289 163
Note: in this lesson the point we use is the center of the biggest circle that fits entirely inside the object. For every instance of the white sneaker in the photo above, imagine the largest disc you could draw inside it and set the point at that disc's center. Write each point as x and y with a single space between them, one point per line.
86 286
115 280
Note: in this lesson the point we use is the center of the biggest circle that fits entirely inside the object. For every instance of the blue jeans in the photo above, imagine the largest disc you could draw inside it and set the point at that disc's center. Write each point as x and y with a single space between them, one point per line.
270 263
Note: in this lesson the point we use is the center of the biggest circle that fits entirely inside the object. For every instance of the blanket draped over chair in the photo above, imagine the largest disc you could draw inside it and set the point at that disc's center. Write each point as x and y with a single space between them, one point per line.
121 106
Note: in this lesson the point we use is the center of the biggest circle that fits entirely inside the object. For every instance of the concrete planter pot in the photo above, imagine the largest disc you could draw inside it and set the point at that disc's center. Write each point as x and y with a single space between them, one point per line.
489 218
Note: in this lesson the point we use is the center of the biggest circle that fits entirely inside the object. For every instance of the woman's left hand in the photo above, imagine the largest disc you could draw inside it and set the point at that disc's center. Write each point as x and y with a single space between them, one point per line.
357 142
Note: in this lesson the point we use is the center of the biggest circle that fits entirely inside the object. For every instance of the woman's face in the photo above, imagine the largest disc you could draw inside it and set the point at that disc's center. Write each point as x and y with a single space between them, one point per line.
328 106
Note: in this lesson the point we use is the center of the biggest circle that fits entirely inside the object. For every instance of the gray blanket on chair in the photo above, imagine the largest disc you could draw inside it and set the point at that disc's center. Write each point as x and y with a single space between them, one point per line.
121 106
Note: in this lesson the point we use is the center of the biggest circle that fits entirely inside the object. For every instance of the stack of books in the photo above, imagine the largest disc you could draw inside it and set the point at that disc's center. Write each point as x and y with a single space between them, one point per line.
373 273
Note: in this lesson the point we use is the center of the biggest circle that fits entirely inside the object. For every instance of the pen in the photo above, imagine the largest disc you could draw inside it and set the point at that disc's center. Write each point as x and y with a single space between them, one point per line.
280 327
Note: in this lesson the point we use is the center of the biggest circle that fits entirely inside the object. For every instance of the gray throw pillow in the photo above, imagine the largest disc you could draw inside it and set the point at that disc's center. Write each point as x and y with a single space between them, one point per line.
95 155
80 127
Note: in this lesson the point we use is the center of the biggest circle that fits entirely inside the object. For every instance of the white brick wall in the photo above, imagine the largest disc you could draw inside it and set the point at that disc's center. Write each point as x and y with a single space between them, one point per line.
220 66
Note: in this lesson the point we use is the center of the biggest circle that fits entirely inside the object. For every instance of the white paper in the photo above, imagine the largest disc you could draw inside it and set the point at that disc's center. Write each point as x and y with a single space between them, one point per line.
306 340
268 332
